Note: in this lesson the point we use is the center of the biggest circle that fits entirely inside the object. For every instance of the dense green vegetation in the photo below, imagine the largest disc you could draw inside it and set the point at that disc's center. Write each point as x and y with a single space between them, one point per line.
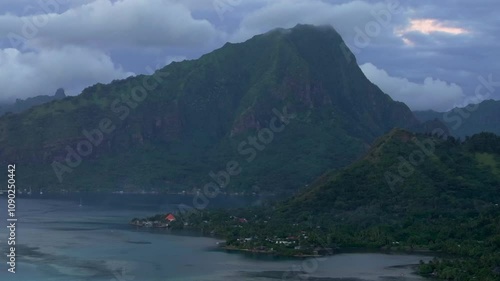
21 105
447 203
469 120
193 117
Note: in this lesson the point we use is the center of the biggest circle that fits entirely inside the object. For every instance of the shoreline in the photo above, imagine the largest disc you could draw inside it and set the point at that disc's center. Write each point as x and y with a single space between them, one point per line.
339 251
271 256
51 193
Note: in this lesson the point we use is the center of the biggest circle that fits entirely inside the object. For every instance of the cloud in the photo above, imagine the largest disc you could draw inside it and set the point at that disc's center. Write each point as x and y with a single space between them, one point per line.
105 24
74 68
139 33
428 26
25 7
432 93
345 17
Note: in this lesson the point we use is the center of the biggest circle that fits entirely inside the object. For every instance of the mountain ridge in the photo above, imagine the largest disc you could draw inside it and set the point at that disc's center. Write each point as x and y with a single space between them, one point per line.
410 192
469 120
200 112
21 105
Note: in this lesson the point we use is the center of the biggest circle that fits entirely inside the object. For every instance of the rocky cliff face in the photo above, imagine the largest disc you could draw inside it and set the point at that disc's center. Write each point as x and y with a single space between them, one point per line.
193 117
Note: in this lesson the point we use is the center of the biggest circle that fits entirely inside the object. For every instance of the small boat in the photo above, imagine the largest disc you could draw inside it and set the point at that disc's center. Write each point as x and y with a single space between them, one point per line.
80 203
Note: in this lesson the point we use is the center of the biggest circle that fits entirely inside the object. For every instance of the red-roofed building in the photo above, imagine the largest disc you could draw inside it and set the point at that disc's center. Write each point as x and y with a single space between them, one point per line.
170 217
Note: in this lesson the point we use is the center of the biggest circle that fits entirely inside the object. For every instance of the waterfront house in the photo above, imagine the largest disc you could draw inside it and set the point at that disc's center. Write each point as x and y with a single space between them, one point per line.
170 218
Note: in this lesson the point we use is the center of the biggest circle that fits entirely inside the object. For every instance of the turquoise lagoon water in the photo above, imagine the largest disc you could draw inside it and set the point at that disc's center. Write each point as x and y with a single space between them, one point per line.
58 240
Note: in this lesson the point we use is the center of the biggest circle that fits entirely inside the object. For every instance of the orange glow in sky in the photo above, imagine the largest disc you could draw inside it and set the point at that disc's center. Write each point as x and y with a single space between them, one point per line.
428 26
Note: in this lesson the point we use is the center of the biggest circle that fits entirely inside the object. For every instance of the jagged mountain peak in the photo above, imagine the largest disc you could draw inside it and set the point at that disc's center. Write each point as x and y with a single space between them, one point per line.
203 113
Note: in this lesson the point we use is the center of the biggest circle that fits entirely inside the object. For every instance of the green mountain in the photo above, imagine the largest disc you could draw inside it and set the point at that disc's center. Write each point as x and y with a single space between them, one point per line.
272 114
424 193
411 192
21 105
469 120
411 174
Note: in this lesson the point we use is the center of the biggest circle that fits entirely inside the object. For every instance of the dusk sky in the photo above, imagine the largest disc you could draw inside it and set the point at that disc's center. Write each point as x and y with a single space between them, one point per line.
428 54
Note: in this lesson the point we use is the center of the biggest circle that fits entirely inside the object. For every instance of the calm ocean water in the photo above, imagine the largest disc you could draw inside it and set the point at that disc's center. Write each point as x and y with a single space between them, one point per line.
58 240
